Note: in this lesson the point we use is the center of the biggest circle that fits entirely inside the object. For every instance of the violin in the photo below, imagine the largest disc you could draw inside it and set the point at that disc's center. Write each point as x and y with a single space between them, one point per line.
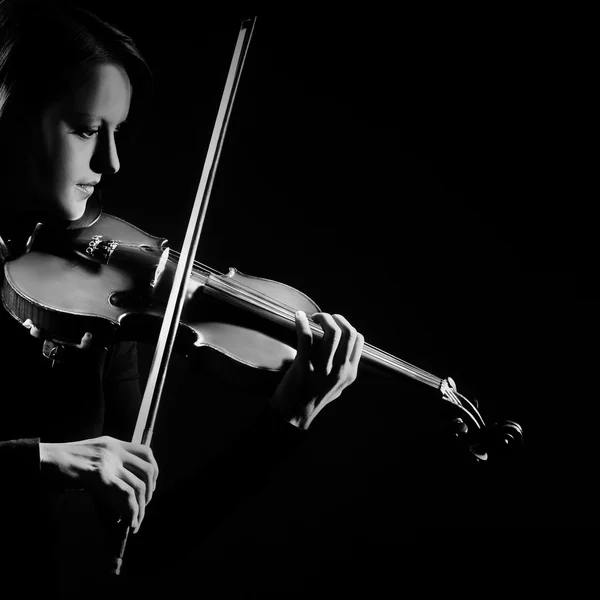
113 280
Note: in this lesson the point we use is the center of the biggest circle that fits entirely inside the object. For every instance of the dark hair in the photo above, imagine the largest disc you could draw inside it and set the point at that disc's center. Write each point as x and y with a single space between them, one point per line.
43 43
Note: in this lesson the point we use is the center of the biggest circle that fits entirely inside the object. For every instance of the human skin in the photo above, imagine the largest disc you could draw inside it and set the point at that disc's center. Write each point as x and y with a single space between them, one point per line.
74 143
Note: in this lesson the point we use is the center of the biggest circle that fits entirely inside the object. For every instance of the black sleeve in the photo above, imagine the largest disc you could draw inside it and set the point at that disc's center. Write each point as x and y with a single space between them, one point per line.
19 505
20 464
20 458
121 384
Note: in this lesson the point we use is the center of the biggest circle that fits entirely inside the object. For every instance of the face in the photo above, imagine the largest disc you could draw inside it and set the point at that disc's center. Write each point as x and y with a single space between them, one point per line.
75 144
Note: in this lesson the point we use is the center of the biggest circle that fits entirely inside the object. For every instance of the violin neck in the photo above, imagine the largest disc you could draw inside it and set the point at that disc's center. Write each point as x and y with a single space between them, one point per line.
388 361
249 300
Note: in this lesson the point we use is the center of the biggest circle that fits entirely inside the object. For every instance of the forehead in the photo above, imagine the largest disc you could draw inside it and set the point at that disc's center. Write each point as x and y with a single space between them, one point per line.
102 91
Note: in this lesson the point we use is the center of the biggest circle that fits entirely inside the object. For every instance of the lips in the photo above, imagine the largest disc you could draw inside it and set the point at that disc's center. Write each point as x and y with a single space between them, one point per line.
87 189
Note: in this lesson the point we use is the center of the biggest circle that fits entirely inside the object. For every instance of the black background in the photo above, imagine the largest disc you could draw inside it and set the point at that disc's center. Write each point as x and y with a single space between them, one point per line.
408 171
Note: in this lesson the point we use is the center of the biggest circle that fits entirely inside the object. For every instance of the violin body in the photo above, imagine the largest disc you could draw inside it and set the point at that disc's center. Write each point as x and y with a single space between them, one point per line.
113 280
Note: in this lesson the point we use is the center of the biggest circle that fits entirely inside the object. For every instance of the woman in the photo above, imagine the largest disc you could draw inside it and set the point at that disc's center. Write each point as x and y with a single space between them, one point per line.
71 87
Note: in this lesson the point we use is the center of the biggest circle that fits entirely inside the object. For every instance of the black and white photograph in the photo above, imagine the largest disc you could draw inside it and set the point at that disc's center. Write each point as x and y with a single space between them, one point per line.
290 303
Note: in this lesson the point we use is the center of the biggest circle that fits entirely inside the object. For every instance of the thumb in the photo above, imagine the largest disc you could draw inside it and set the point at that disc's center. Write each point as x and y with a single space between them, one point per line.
304 336
86 341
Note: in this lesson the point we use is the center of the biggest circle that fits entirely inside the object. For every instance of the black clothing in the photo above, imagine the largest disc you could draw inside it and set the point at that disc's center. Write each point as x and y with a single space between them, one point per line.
60 403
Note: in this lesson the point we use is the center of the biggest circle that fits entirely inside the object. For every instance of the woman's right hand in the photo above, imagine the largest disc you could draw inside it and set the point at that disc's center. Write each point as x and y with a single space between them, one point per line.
122 475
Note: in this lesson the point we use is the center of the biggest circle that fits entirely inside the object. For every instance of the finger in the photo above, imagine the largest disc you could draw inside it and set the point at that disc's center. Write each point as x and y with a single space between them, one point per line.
127 503
136 496
331 339
347 342
86 341
33 330
143 470
145 454
357 353
304 337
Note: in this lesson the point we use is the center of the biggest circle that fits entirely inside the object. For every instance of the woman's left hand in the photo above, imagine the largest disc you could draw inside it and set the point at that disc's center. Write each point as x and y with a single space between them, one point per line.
60 352
320 371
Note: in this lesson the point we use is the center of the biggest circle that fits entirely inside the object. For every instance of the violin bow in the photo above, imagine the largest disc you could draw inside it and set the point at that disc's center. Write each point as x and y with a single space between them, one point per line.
160 362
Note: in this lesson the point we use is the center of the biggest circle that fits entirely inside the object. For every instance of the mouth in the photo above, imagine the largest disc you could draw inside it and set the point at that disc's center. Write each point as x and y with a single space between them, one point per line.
87 189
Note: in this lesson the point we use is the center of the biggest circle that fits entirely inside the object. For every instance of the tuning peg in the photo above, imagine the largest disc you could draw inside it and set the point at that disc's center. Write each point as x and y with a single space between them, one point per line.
478 450
459 427
508 433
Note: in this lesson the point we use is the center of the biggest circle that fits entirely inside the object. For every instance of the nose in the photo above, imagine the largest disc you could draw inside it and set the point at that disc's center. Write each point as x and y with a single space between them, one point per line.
106 157
112 164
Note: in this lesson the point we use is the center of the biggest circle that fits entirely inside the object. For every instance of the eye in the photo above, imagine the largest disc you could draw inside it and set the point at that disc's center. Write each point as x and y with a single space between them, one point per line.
86 133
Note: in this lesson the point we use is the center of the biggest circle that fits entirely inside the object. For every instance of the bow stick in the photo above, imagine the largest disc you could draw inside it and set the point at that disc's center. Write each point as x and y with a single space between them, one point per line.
160 362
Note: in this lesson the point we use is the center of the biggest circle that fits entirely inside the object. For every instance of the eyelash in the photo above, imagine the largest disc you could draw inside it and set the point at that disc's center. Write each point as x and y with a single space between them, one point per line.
85 132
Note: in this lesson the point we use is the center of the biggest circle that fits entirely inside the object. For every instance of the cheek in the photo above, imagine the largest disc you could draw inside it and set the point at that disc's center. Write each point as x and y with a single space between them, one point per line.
64 162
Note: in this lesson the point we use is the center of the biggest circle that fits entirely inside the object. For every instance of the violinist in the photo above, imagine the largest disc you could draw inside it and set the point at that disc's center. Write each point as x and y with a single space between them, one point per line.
73 92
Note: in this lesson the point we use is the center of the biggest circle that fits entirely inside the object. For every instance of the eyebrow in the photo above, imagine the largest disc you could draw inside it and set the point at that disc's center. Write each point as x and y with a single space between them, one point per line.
81 114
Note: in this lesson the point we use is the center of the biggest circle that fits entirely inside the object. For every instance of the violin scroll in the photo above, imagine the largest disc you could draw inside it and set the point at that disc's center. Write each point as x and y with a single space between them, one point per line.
499 441
502 439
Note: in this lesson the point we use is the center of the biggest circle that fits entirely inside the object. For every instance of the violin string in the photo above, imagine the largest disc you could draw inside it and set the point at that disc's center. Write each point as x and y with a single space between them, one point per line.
285 312
257 298
252 296
283 309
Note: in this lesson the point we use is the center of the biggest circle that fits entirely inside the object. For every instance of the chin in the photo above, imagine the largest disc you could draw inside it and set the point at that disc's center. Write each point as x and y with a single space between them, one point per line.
77 214
73 210
62 205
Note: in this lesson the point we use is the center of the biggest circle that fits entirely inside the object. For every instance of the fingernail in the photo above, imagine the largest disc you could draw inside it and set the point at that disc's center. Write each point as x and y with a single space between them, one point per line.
87 335
300 313
27 323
